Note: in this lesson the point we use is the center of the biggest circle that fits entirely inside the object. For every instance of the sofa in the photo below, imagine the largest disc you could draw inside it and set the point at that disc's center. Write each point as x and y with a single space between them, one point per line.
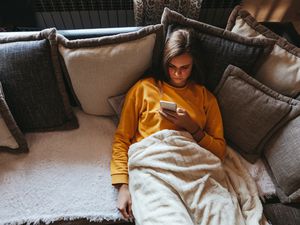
61 98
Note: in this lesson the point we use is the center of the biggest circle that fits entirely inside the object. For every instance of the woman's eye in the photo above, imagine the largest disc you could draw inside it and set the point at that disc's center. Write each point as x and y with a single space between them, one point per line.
184 67
172 67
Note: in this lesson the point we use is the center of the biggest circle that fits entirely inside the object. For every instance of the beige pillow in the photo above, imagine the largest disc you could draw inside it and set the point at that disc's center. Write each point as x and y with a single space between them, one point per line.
281 70
108 66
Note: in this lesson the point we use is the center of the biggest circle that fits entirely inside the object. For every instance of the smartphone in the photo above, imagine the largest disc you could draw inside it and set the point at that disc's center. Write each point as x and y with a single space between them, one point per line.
168 105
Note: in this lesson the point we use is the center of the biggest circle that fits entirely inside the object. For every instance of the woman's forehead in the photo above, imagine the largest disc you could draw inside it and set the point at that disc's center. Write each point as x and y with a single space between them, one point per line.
183 59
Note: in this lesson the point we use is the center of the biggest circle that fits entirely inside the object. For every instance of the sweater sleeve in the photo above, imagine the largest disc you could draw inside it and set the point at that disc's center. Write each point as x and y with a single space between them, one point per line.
213 139
124 135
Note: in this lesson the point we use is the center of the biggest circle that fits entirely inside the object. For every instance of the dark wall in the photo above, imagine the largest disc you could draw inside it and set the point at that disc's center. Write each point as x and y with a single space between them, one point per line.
16 13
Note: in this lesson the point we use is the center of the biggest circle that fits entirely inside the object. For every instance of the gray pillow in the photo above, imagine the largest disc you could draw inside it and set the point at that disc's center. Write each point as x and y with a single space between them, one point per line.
117 102
251 111
11 138
32 81
218 48
282 154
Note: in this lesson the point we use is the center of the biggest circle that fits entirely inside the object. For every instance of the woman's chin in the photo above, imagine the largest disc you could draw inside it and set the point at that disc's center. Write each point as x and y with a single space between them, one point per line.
178 84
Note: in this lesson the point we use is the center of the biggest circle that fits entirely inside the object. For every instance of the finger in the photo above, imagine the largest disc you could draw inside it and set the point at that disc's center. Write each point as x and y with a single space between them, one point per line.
130 210
170 113
180 110
123 212
168 117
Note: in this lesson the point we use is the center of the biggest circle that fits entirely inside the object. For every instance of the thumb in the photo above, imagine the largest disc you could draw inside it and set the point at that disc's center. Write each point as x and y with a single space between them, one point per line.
180 110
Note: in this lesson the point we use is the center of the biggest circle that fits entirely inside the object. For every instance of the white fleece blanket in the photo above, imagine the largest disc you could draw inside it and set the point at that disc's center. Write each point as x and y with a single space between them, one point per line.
175 181
65 176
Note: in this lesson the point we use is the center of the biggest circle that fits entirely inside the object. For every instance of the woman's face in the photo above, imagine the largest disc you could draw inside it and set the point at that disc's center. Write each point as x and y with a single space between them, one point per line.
179 69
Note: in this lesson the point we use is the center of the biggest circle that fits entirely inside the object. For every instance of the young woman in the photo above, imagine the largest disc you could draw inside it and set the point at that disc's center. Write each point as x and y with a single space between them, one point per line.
197 111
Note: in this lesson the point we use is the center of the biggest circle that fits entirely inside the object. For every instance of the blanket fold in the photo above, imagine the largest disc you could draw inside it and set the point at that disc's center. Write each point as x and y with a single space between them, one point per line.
175 181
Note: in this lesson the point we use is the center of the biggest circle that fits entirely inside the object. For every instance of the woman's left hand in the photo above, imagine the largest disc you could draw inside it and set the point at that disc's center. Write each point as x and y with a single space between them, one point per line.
180 118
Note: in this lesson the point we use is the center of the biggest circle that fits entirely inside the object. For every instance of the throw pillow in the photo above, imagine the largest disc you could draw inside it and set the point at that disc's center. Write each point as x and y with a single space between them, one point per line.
11 138
117 102
218 48
148 12
108 66
32 82
282 156
251 111
281 70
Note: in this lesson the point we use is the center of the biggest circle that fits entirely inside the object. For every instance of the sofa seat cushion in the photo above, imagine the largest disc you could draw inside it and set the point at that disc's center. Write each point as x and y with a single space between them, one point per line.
65 176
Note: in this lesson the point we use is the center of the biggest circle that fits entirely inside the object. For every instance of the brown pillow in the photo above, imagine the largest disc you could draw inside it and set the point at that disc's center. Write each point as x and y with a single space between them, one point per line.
251 111
218 48
11 138
281 70
32 81
117 102
282 154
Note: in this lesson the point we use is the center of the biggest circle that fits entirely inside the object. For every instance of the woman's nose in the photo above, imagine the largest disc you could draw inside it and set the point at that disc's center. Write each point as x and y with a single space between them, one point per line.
178 72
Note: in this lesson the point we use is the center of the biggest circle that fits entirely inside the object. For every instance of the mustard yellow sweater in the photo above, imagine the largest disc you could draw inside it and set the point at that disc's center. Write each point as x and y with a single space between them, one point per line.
140 118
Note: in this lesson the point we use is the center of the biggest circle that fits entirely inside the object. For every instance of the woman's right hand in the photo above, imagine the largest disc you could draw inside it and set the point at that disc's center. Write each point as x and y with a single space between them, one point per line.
124 202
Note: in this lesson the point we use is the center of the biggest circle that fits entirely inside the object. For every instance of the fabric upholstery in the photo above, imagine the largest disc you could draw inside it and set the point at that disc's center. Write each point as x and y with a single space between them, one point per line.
99 68
116 103
32 82
218 48
148 12
251 111
281 70
11 138
279 214
282 154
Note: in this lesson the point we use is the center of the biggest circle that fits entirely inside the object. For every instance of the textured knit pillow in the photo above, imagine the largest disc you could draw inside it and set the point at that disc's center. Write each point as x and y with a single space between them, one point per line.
32 82
218 48
281 70
108 66
251 111
11 138
148 12
282 154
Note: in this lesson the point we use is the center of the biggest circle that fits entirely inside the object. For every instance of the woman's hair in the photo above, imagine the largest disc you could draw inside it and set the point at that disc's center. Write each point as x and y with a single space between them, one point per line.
178 42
